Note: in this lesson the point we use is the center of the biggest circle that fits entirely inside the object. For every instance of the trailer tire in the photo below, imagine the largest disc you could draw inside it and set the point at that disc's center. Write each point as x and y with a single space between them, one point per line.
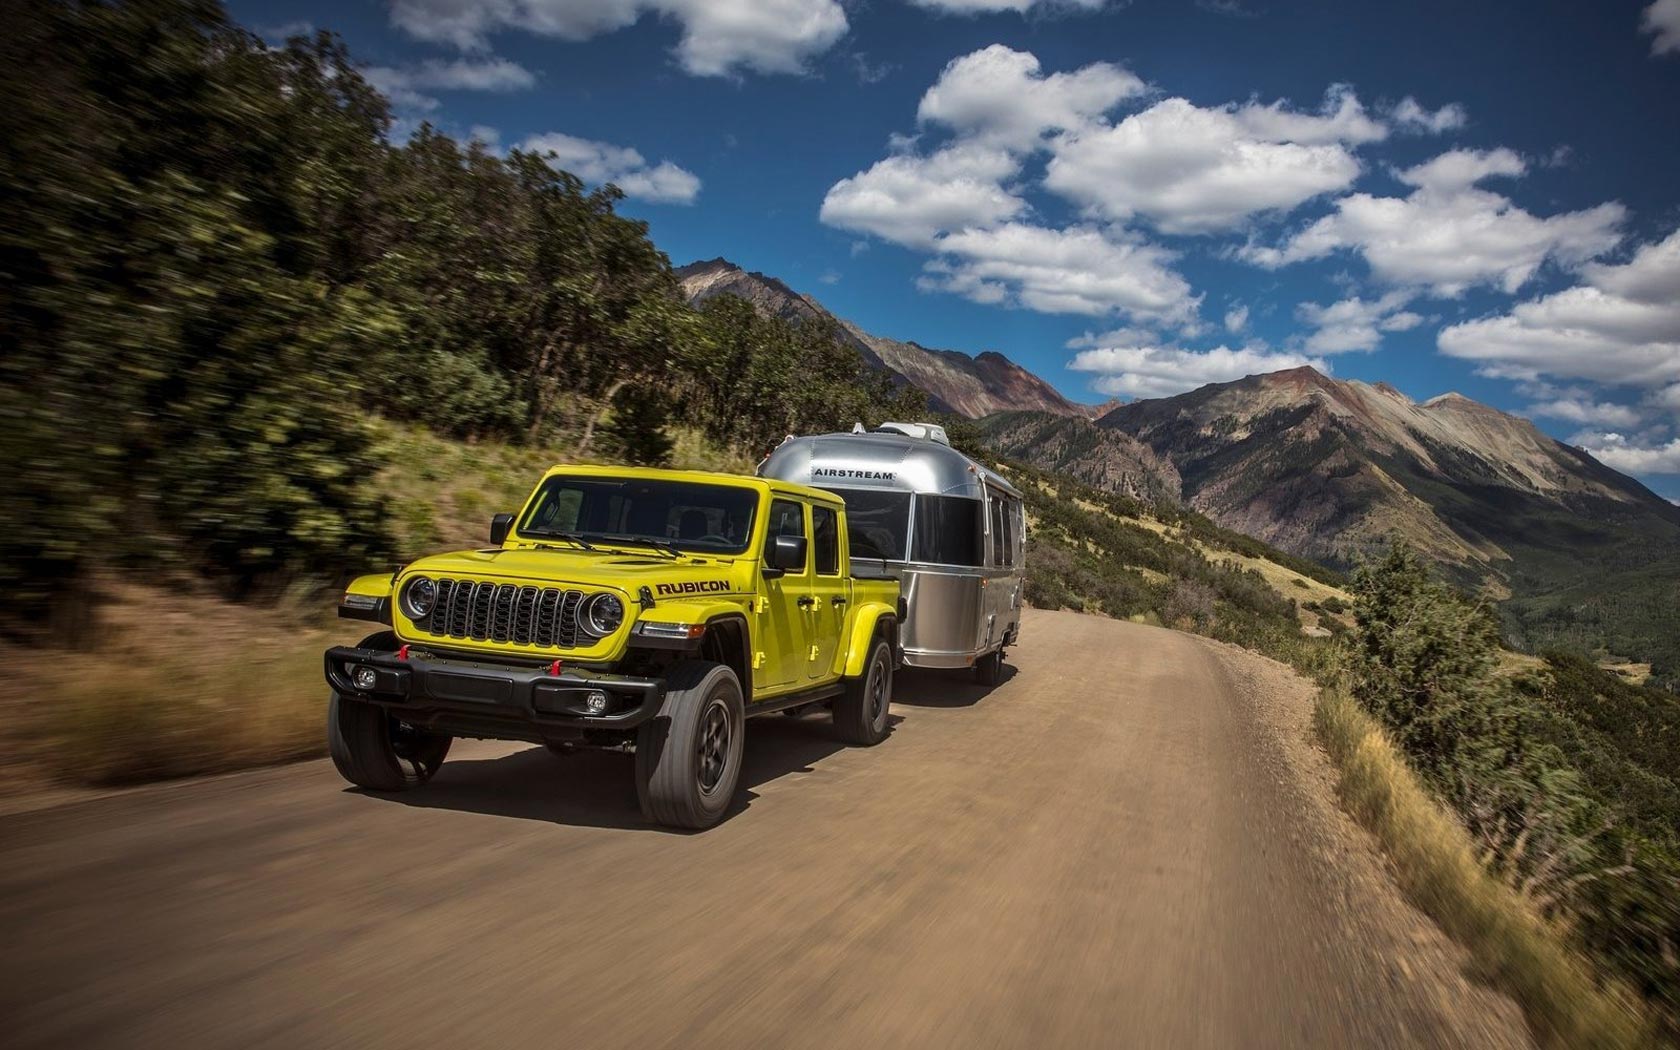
860 713
688 757
988 670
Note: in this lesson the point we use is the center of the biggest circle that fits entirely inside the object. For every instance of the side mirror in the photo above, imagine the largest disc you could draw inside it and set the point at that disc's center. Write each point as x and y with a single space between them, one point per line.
500 525
785 554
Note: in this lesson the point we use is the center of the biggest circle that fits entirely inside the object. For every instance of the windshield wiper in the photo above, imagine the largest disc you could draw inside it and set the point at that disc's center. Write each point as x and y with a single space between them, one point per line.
662 546
567 536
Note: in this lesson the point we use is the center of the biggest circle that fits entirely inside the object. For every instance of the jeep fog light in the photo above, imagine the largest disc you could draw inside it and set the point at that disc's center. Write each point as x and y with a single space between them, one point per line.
596 701
364 678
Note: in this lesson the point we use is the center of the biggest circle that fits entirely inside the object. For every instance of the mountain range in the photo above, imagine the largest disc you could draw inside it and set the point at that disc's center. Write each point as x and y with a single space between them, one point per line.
954 382
1328 469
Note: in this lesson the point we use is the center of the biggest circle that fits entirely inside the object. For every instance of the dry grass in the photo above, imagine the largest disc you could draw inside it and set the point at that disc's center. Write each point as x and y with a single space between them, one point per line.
174 685
1436 863
442 493
1629 671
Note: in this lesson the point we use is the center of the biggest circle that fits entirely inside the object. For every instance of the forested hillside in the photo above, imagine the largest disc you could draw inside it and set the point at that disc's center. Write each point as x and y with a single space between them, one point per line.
217 270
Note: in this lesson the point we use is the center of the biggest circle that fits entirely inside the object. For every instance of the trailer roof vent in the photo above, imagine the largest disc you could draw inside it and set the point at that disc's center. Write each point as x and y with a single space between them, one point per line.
925 431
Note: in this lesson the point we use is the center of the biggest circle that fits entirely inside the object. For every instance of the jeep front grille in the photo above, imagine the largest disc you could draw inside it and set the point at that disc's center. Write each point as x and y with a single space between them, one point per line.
505 612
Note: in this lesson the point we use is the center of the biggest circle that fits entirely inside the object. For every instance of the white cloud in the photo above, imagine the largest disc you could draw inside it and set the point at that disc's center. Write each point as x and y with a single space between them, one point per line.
284 31
1662 19
1190 169
830 277
978 7
1128 335
718 36
1449 235
998 95
1620 326
1078 270
1229 8
624 167
1158 371
1354 323
1615 450
405 86
1409 115
911 200
1586 411
1236 319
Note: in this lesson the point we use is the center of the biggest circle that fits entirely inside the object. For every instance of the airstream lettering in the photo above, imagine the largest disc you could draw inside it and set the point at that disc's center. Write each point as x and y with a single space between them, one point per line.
950 530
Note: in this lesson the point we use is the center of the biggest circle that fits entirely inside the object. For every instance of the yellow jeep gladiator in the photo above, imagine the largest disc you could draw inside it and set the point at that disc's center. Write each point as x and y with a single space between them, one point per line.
623 608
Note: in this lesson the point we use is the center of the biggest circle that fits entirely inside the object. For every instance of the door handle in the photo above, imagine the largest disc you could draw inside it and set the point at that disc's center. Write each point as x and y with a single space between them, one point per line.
839 601
807 602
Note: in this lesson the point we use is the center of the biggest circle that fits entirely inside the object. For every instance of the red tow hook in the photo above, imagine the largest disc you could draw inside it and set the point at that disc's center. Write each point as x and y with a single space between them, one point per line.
402 653
554 668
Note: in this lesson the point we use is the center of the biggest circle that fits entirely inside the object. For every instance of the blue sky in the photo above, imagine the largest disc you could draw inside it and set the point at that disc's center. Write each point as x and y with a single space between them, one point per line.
1132 199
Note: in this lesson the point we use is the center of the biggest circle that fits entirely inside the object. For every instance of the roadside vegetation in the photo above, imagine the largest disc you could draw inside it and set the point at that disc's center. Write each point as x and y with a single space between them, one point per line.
220 275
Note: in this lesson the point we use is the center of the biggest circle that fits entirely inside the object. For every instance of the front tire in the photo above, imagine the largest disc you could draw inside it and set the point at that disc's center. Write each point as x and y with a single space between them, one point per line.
988 670
374 750
860 714
688 759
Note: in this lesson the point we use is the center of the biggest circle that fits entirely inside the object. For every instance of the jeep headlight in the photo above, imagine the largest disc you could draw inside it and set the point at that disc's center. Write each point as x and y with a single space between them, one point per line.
602 615
418 597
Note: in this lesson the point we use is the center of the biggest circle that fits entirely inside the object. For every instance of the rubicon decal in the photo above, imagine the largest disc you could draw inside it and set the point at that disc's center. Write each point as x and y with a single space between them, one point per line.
847 472
692 587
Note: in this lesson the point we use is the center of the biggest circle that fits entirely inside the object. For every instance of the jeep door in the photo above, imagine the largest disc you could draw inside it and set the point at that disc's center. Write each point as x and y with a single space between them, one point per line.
827 617
783 618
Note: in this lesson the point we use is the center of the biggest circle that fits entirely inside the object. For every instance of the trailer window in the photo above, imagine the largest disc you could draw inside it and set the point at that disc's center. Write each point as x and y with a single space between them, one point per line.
877 522
948 531
1003 536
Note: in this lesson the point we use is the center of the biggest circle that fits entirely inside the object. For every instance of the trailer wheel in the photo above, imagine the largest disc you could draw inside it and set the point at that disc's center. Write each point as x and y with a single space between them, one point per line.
688 758
988 670
860 713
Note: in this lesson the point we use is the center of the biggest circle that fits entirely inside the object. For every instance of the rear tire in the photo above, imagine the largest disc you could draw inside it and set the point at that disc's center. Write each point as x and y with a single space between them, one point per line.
860 713
688 758
374 750
988 670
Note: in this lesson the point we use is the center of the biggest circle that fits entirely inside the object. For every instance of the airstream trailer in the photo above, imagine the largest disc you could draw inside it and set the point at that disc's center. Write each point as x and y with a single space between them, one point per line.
949 529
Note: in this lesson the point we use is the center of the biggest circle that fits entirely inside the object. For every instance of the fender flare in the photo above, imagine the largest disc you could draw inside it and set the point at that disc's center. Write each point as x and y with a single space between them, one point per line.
865 619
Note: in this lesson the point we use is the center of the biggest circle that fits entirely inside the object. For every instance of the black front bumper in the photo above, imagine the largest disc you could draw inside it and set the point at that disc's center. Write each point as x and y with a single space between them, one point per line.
501 701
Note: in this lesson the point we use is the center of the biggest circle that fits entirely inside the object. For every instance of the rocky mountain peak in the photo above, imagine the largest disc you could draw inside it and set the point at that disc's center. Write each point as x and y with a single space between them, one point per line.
972 386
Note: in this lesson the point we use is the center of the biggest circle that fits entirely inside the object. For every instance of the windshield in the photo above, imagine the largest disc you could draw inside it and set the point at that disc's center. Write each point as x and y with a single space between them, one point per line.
877 522
688 515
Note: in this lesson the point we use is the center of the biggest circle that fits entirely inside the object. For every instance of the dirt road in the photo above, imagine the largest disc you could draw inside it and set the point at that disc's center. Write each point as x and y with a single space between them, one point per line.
1128 843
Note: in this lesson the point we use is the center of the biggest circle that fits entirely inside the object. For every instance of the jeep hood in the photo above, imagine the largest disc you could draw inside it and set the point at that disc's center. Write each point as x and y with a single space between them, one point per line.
624 569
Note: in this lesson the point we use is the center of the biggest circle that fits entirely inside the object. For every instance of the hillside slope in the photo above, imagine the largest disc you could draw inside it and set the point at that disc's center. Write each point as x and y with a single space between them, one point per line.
971 386
1103 458
1331 469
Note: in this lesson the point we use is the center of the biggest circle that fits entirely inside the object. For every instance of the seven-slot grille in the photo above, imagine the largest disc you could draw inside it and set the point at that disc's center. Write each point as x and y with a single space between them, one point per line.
505 612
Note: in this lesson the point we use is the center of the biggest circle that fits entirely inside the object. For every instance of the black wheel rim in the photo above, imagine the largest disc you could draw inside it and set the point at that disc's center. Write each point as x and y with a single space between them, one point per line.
877 693
713 749
413 749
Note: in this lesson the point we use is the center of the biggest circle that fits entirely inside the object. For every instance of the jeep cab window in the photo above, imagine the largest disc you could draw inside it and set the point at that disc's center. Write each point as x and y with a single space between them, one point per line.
626 609
684 515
